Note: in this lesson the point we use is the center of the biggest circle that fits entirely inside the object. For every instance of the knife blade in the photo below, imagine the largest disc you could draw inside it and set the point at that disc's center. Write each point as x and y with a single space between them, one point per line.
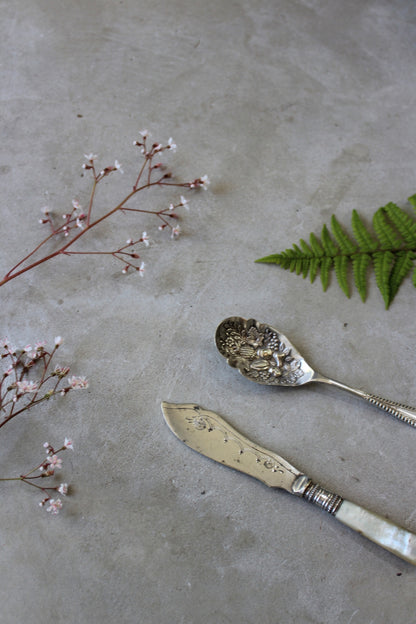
209 434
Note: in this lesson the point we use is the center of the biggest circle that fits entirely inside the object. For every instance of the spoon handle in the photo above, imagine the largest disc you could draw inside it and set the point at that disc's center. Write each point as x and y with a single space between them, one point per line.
406 413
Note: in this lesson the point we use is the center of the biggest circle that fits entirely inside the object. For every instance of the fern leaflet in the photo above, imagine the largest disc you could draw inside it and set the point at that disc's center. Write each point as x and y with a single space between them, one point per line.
390 250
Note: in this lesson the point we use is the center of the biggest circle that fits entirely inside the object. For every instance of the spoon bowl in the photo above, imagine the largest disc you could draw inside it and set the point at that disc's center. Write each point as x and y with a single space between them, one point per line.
265 355
261 353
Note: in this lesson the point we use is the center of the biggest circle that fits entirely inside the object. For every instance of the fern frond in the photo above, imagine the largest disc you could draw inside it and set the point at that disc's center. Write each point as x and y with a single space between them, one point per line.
402 222
387 235
326 265
383 262
391 252
360 264
328 244
345 243
313 268
316 246
401 269
364 239
341 267
306 249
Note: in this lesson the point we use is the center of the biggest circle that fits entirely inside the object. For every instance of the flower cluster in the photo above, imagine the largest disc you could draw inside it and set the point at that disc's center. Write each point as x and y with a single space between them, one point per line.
47 469
74 223
30 377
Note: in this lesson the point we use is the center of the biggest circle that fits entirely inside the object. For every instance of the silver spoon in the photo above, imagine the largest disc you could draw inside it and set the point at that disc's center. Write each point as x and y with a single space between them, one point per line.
266 356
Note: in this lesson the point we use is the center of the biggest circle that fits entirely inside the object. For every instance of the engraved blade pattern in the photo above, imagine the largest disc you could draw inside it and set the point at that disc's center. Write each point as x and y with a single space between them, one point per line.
206 432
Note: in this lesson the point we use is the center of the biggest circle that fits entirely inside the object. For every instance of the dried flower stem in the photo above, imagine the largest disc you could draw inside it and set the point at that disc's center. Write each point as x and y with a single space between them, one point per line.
47 469
77 223
20 392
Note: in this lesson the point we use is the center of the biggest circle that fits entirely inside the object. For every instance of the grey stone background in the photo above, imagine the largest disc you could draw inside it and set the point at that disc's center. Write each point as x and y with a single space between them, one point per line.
296 110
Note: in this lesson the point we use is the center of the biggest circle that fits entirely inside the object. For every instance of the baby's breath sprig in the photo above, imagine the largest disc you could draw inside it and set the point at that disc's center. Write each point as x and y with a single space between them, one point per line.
76 222
45 470
30 376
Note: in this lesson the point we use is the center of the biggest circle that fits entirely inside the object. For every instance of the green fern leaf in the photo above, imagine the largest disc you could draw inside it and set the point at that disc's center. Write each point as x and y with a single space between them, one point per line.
326 265
345 244
402 222
316 246
401 269
341 267
391 252
364 239
360 264
313 268
383 262
306 249
385 232
330 249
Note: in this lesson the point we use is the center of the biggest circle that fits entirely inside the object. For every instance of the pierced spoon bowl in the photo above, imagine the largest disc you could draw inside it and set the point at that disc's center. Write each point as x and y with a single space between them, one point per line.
263 354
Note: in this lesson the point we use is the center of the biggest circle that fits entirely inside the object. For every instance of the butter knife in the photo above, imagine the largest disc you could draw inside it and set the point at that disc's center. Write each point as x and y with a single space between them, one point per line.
209 434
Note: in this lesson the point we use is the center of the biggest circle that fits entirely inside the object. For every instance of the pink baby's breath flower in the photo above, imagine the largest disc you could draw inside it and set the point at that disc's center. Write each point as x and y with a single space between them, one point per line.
145 239
90 157
26 386
176 230
61 371
40 345
54 462
141 269
54 506
58 341
145 133
68 444
184 202
204 181
63 489
118 166
171 145
77 383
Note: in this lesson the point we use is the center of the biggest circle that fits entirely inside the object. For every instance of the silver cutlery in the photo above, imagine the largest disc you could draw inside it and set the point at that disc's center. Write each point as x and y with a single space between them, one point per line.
263 354
209 434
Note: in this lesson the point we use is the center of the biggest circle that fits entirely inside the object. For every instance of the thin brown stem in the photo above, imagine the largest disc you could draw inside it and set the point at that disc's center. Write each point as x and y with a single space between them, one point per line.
90 204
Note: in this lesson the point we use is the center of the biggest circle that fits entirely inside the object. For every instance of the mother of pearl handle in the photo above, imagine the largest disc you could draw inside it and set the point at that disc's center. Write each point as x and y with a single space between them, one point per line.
379 530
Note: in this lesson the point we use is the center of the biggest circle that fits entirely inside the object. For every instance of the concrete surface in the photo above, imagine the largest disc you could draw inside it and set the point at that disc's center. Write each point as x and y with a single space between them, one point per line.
296 109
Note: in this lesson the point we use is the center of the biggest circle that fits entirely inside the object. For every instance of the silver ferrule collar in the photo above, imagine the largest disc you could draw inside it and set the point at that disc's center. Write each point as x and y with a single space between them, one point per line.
314 493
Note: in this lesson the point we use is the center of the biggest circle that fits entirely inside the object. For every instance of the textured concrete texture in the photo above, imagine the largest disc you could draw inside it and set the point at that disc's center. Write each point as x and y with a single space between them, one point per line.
296 109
